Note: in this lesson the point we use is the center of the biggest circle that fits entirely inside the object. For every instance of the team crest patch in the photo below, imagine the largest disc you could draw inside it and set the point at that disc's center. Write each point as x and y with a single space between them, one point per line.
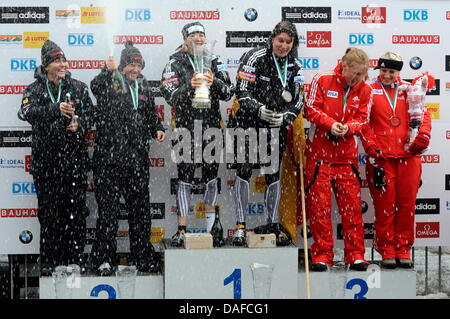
333 94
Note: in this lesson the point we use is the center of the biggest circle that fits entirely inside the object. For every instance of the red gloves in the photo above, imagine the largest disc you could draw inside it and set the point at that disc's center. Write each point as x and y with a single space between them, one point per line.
420 143
375 156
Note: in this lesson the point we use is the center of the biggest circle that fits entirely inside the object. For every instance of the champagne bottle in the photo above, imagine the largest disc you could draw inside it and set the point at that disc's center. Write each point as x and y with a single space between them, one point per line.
118 82
379 177
217 230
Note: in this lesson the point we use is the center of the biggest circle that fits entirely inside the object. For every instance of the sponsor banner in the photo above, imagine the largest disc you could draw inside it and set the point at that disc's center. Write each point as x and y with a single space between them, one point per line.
35 40
157 234
194 15
157 162
242 39
16 15
361 38
80 39
18 212
427 206
138 15
23 64
427 230
430 158
343 14
158 210
11 39
416 39
12 89
67 14
93 15
373 15
415 15
318 39
86 64
434 110
15 138
139 39
369 231
306 14
198 187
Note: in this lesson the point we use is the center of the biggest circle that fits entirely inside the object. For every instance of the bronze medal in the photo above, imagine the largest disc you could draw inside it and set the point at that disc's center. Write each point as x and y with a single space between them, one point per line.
394 121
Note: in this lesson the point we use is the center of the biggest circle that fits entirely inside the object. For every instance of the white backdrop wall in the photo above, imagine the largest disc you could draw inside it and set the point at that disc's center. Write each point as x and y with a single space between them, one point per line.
88 31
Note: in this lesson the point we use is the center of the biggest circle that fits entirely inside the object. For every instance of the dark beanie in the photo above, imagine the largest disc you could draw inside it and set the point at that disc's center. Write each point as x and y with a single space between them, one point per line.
129 55
191 28
50 52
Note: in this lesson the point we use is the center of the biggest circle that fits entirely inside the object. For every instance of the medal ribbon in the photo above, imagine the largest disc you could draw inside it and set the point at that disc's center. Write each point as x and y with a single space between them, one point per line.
281 73
51 94
344 101
134 94
391 103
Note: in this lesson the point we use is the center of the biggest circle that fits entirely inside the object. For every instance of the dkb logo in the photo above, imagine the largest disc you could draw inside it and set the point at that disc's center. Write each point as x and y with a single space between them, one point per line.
137 15
80 39
23 64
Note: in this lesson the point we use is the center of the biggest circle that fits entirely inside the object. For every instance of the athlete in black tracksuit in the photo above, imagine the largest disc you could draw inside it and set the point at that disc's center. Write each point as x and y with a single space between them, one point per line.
59 159
177 90
121 164
259 92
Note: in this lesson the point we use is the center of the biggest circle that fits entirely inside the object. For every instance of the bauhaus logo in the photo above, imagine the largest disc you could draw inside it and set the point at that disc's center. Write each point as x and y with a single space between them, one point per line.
12 89
318 39
306 14
139 39
18 212
15 139
416 39
430 158
194 15
30 15
373 15
427 230
427 206
86 64
242 39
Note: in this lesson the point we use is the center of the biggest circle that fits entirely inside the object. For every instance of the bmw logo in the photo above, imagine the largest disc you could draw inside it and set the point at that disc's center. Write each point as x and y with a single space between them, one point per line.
26 237
364 207
415 63
250 14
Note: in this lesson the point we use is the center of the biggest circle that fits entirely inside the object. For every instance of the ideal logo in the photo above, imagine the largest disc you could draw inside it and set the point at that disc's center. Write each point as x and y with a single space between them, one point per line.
361 39
426 206
23 188
23 64
137 15
80 39
415 15
255 209
309 63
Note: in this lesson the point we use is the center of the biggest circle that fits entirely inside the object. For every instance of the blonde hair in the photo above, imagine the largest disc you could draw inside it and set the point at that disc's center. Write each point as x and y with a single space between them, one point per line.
354 56
391 56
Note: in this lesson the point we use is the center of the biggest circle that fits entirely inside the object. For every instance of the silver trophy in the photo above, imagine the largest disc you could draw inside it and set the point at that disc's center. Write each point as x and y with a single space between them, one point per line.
65 279
203 54
126 281
262 279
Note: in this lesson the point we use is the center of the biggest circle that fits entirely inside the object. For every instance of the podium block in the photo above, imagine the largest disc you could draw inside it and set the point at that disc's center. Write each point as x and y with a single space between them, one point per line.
146 287
375 283
225 273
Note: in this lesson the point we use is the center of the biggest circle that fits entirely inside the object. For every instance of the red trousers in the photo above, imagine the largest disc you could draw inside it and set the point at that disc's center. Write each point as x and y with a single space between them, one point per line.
395 206
320 179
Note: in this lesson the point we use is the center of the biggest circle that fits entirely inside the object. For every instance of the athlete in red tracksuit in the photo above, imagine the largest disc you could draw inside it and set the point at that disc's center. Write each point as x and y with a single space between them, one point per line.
337 107
384 139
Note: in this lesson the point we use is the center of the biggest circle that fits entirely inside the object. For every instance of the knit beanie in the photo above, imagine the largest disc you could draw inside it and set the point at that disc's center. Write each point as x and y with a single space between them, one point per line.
191 28
50 52
129 55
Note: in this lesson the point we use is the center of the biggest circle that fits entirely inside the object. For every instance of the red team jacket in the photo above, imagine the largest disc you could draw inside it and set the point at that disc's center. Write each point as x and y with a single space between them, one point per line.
325 106
390 140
